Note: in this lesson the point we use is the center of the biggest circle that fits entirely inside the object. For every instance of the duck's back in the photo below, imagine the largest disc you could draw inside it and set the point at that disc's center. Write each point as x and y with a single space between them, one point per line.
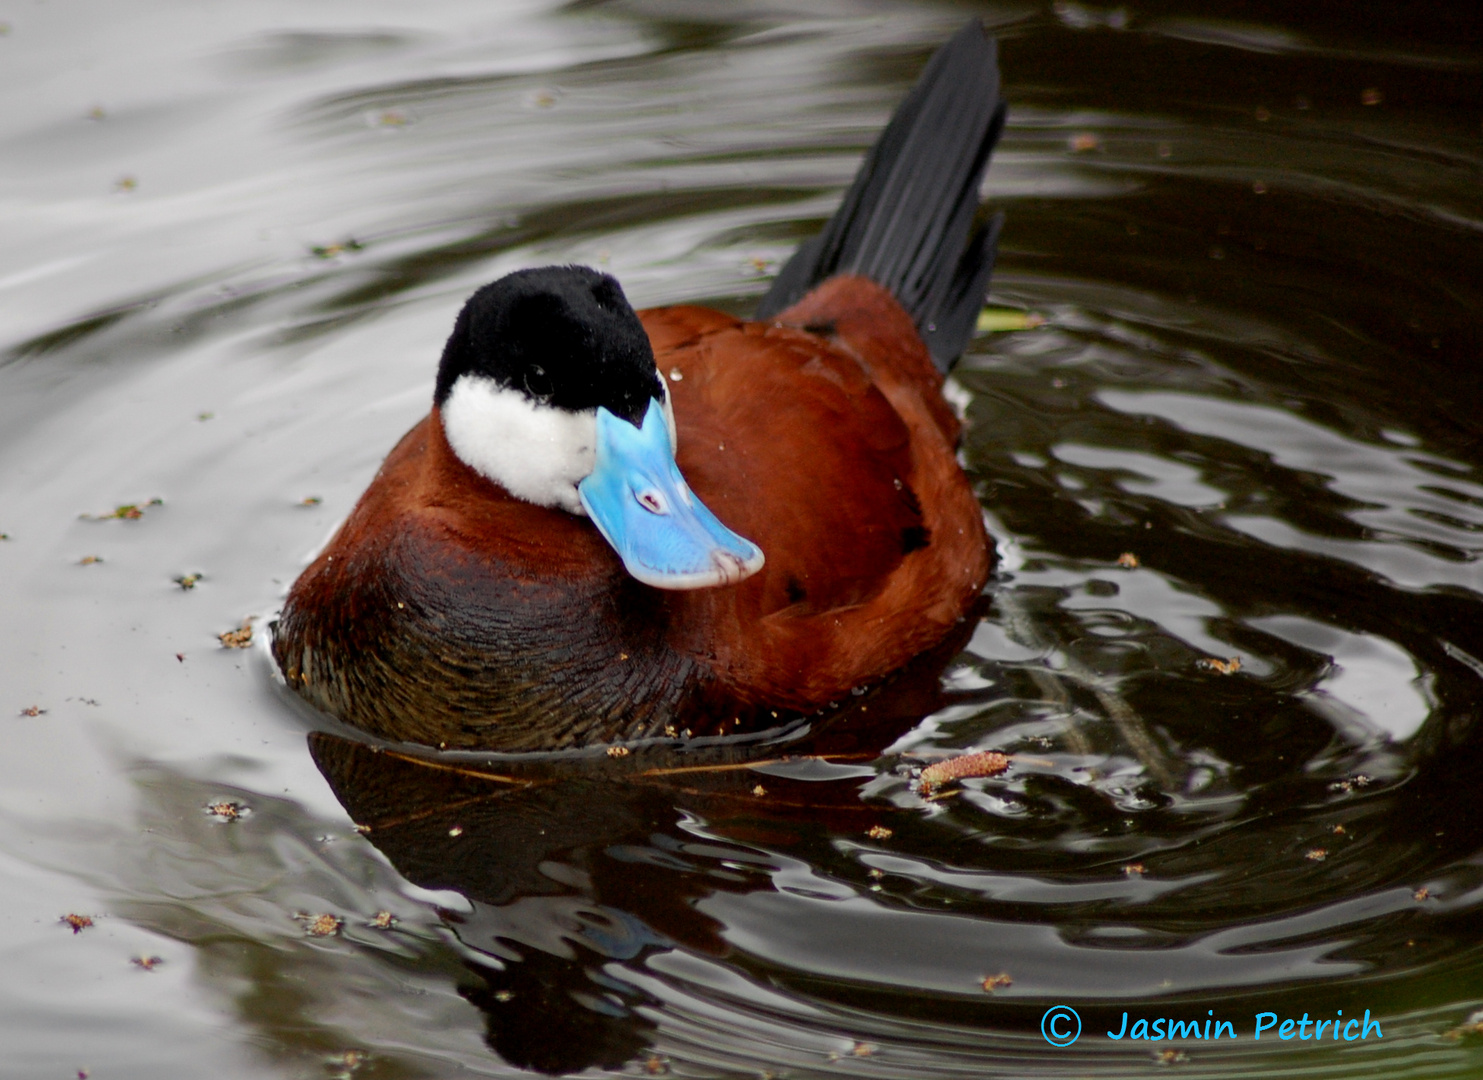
821 435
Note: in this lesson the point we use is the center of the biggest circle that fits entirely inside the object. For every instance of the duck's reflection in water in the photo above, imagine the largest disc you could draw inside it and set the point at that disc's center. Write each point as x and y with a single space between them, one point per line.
577 869
579 873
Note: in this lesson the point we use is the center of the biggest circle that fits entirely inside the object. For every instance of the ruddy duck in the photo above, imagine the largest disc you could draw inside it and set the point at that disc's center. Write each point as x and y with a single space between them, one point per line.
617 525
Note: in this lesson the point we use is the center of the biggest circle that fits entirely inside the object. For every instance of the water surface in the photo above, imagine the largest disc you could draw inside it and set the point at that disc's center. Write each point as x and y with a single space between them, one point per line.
1248 428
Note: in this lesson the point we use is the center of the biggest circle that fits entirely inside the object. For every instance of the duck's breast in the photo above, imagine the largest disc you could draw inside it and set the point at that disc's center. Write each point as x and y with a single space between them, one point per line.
445 611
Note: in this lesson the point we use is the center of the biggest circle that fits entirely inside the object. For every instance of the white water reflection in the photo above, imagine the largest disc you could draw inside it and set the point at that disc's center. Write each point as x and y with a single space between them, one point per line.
1376 678
1405 518
1156 476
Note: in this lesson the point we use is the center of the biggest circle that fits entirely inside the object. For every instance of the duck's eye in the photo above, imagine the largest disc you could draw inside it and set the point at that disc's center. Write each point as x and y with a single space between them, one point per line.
538 383
651 501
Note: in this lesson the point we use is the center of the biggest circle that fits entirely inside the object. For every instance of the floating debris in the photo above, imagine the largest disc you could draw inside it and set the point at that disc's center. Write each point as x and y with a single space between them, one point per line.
33 710
987 763
1339 830
1084 143
1135 869
1004 320
89 560
310 500
1219 666
1473 1025
187 582
1170 1057
1317 854
125 183
542 99
348 1062
759 791
1259 187
996 982
1358 780
78 923
240 638
203 417
389 118
1421 894
331 251
1371 96
146 963
227 811
125 511
656 1065
322 925
617 751
456 831
941 796
1128 561
879 832
383 920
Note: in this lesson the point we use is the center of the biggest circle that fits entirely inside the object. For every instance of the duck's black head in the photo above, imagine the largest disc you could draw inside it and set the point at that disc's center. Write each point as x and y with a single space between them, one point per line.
531 359
548 388
563 336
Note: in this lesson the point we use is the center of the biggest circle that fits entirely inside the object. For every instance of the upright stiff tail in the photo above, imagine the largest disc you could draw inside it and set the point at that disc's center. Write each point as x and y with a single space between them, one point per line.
907 221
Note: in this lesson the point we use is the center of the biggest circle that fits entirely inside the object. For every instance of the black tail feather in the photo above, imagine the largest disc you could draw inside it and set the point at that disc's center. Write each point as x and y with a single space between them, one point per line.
907 221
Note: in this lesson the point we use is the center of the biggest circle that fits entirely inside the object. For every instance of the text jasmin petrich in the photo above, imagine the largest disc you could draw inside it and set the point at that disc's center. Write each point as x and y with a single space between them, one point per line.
1333 1029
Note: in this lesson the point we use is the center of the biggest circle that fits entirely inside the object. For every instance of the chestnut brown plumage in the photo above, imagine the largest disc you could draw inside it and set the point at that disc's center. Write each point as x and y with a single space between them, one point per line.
448 612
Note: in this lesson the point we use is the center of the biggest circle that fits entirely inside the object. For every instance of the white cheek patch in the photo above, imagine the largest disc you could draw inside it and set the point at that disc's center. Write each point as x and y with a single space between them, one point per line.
535 452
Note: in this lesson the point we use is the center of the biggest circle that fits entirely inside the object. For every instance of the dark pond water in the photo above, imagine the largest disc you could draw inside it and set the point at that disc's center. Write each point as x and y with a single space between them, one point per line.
235 236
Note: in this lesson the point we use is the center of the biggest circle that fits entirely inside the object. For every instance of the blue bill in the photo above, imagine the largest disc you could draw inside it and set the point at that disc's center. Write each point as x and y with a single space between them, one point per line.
641 504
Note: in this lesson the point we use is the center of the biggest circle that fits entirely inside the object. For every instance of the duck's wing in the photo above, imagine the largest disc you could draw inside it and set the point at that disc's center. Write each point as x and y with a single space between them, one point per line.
874 543
782 434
